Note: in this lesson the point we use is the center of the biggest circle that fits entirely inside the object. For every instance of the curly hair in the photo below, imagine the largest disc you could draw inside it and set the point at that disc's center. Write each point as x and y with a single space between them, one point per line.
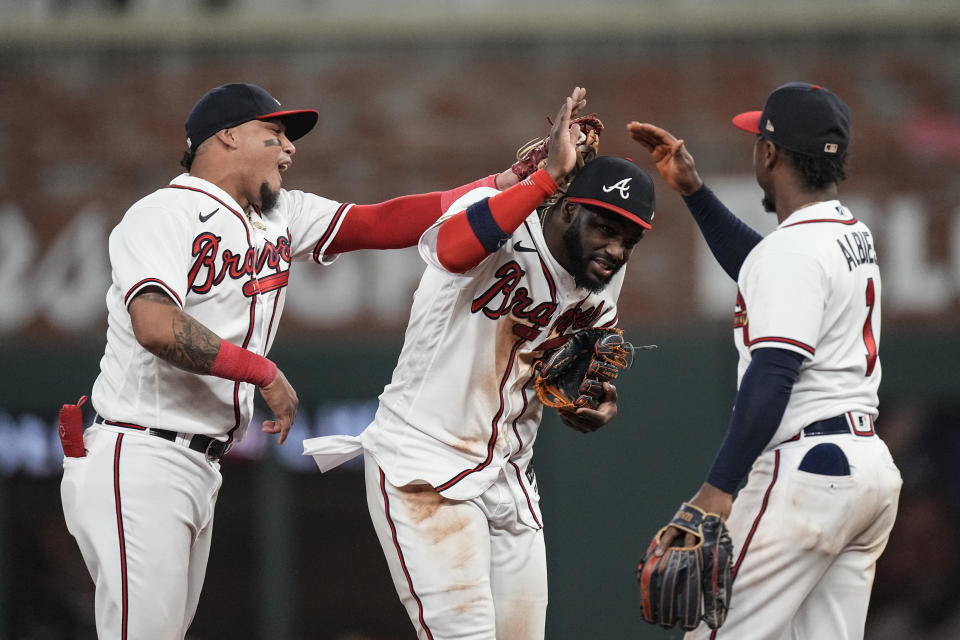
819 172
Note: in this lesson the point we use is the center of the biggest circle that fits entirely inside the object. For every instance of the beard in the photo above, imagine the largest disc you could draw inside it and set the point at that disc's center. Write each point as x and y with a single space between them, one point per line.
268 197
768 204
579 262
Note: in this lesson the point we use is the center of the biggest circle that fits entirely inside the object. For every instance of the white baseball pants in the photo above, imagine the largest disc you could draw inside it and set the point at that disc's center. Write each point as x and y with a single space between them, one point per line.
141 509
464 570
806 545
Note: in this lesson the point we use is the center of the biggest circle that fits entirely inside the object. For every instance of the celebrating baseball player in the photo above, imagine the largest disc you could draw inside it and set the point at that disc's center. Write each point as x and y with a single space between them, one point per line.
450 484
821 495
200 269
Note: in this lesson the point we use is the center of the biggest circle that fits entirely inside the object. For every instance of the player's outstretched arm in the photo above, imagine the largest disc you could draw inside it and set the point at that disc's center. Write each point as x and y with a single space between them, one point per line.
674 162
729 239
165 330
400 222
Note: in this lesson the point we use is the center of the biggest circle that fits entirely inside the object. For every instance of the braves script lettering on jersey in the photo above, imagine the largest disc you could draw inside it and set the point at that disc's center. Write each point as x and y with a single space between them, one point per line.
229 272
155 502
448 459
200 274
458 436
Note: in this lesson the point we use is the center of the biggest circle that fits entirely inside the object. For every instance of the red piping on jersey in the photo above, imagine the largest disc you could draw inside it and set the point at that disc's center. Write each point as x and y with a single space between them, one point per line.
846 222
496 418
207 193
612 322
239 215
326 234
523 409
796 343
523 394
403 562
273 317
236 385
525 494
503 381
543 267
144 282
276 304
123 546
253 296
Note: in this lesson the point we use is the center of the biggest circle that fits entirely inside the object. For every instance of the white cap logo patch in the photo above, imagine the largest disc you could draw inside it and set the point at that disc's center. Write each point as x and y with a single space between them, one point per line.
623 187
830 147
769 126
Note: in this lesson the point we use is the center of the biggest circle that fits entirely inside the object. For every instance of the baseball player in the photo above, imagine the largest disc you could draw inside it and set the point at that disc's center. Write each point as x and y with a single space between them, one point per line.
821 495
200 269
450 482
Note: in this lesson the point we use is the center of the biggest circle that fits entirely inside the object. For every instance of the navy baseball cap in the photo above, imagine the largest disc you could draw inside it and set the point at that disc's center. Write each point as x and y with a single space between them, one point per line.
801 117
239 102
617 185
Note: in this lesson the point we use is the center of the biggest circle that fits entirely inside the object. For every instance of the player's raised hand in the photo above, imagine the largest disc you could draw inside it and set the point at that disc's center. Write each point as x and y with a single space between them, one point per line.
587 420
674 162
282 400
562 157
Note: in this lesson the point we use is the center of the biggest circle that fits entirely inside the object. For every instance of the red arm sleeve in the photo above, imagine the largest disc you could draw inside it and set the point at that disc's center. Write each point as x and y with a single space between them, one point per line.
396 223
460 246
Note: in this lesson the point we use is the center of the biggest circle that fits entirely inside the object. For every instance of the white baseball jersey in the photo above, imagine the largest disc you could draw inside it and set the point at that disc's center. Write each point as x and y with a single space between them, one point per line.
224 268
450 484
813 286
140 507
461 404
807 535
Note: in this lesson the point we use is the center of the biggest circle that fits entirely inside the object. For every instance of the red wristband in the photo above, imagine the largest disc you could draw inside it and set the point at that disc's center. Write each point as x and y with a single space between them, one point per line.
236 363
543 180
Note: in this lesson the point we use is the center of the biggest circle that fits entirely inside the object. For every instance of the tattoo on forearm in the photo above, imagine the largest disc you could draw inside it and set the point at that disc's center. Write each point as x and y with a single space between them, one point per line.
194 347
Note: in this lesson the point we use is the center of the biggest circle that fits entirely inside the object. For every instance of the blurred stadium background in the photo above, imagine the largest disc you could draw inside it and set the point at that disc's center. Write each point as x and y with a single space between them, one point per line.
418 95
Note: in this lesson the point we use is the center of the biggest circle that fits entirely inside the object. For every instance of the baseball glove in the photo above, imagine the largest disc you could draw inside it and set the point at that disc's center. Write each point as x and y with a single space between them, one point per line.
572 376
688 584
533 155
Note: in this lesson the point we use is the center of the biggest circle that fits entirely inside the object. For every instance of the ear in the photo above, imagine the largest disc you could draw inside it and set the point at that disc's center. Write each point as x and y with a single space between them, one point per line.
568 211
767 153
227 137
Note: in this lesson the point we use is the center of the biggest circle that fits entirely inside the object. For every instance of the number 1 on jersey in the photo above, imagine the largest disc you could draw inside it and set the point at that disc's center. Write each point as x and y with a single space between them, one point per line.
868 338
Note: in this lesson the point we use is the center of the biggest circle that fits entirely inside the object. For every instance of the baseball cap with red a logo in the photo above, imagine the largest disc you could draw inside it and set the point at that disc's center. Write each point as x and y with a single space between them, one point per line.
239 102
617 185
805 118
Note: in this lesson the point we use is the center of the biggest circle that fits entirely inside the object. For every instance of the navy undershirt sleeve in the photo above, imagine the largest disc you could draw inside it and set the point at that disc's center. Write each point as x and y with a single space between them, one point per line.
761 400
728 237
